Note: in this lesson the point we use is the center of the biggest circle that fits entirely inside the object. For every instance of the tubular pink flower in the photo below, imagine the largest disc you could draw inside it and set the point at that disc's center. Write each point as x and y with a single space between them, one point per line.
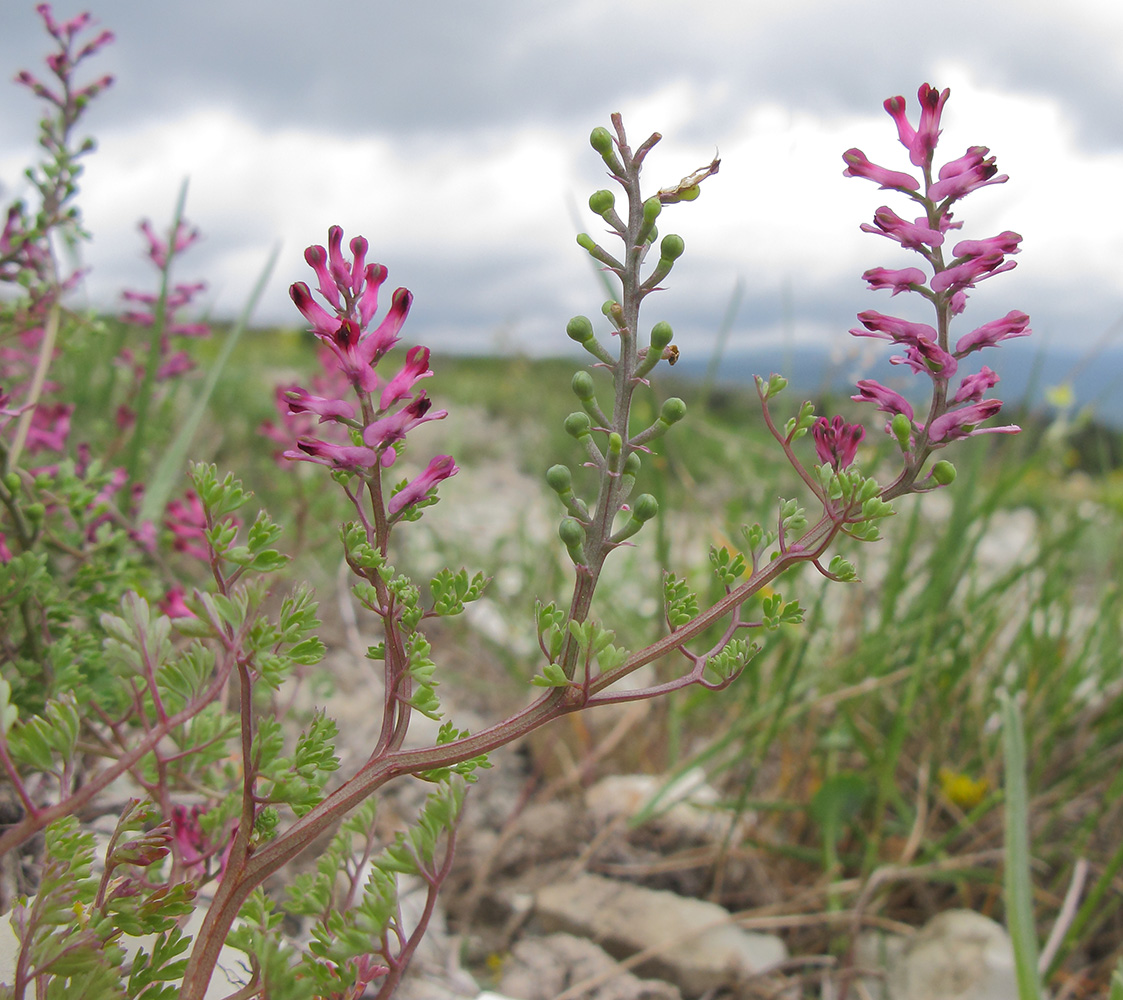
905 280
928 131
972 387
368 301
858 166
185 236
323 324
1013 324
961 276
899 331
401 385
836 442
916 235
962 423
886 399
317 259
383 337
300 401
1004 243
928 357
390 429
338 456
959 177
187 521
439 469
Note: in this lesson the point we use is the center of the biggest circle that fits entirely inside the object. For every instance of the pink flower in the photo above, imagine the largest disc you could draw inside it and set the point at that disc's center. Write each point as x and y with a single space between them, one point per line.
920 142
913 235
401 385
1005 243
184 236
337 456
959 177
972 387
961 276
928 357
388 430
173 604
439 469
886 399
836 442
300 401
899 331
1013 324
896 281
858 166
962 423
5 552
187 521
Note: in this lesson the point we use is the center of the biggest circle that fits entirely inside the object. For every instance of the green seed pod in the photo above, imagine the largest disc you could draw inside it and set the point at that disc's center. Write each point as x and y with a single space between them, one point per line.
601 140
671 247
12 482
559 478
35 512
690 193
632 464
583 385
615 443
645 507
580 329
674 409
661 336
651 209
586 242
943 472
602 201
578 424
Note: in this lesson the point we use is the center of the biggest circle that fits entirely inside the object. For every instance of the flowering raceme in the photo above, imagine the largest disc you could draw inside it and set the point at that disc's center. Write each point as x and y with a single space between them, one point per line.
387 409
955 412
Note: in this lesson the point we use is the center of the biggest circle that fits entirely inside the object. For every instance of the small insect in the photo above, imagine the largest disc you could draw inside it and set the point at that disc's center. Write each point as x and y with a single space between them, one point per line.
670 353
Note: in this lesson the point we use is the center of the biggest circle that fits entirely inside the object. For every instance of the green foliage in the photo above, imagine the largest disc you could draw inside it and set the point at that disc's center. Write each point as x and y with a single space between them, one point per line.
451 592
729 568
297 780
680 602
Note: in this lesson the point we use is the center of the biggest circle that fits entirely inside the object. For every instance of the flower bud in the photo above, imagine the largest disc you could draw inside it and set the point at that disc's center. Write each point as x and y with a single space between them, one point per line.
645 507
674 409
573 536
583 385
943 472
601 140
901 428
671 247
580 329
602 201
559 478
661 336
578 425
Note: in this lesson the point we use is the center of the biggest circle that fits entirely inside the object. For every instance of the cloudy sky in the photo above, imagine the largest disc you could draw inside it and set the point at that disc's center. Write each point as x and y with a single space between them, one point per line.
454 136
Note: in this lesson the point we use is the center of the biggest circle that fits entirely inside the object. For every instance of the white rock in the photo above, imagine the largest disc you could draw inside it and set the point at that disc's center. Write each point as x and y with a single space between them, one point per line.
958 955
699 948
686 807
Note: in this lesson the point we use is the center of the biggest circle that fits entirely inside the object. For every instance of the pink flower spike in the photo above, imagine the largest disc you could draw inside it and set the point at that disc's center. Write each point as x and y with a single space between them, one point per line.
1013 324
1004 243
911 235
858 166
886 399
401 385
905 280
973 387
439 469
836 442
961 423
